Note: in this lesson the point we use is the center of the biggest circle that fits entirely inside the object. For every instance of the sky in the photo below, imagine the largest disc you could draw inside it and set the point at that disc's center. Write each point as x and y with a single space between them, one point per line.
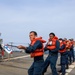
19 17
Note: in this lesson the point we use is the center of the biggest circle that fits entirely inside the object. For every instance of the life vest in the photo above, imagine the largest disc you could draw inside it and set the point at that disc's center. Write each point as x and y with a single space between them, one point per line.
61 44
38 52
72 44
52 43
68 45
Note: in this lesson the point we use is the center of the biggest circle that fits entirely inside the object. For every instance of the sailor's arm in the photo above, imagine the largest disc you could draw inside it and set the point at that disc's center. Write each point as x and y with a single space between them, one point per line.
62 47
21 47
57 47
30 49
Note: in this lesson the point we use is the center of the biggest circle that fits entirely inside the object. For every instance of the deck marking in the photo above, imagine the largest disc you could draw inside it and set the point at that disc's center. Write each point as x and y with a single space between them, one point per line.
17 57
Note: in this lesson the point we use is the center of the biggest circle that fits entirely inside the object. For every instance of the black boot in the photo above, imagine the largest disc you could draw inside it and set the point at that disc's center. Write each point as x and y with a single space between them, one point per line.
67 67
59 71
